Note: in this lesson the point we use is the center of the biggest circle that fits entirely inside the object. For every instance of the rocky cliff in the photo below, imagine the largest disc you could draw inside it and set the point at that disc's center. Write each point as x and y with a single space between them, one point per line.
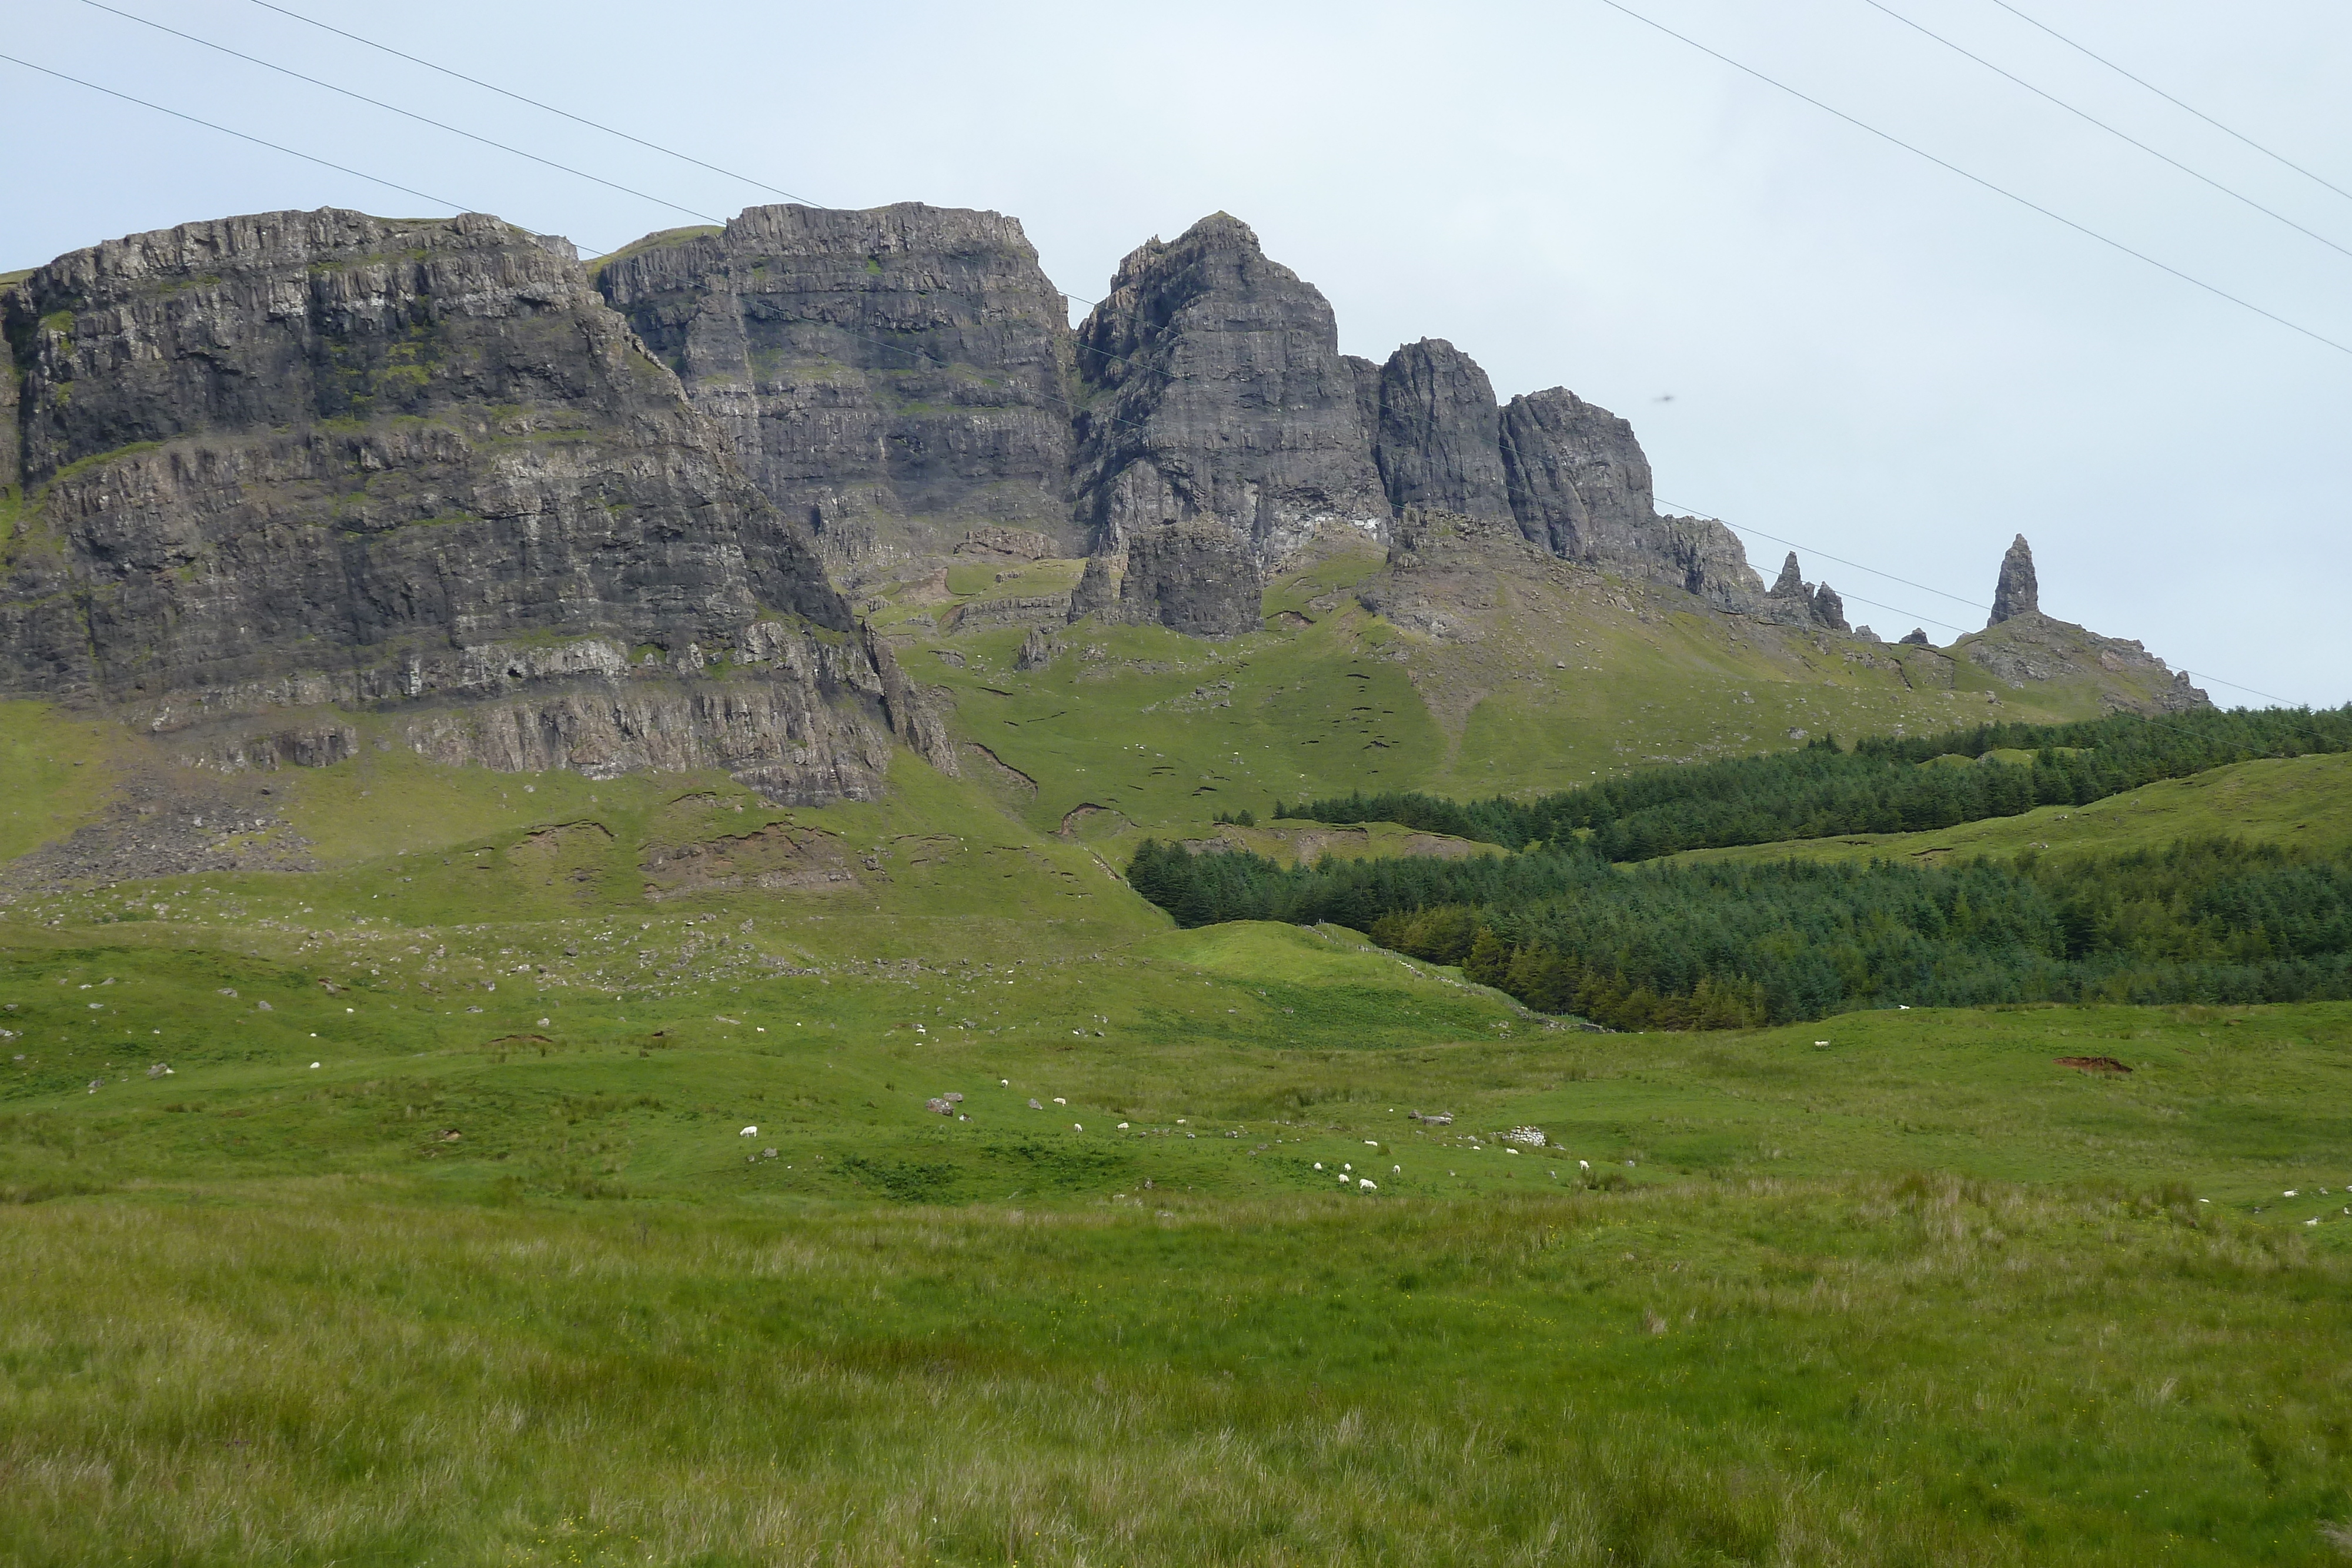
295 480
894 377
1213 387
1437 439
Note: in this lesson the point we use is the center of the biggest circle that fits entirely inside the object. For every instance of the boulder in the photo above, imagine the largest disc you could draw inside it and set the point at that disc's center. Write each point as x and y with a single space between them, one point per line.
1196 576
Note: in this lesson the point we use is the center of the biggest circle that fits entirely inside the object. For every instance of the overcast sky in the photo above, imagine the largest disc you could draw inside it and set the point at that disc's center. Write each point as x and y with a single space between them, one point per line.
1816 334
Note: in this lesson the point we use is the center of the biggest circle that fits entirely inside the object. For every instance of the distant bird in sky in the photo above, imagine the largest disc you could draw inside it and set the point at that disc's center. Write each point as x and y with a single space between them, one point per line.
1668 398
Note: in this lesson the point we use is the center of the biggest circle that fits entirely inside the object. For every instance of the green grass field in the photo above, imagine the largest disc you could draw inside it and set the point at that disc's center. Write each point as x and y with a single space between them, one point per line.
549 1175
2304 802
1895 1288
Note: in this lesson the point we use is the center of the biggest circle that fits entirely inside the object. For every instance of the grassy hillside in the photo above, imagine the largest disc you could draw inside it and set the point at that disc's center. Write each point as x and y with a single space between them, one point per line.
2304 802
1527 684
57 771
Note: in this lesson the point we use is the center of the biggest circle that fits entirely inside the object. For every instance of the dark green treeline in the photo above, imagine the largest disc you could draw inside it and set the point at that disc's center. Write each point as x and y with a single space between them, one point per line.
1879 787
1729 945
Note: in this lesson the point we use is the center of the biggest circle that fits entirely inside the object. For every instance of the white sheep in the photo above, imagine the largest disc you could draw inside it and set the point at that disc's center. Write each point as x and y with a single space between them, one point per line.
1366 1184
748 1132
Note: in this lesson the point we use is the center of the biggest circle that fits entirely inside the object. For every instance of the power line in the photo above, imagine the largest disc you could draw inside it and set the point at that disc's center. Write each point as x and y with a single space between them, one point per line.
1841 560
2167 97
455 206
395 108
576 119
2090 118
1913 614
2217 292
936 360
549 108
241 136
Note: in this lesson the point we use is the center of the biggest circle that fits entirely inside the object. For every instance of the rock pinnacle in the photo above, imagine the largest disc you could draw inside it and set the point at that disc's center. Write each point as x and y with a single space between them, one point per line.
1792 581
2016 593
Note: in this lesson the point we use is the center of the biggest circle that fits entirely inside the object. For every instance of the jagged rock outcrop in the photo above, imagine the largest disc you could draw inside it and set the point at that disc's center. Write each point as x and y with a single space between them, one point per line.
1021 544
1793 601
1790 583
894 377
1096 593
2016 593
1038 649
1579 481
2035 648
1196 576
1915 638
1214 389
300 480
1579 486
1437 440
1447 572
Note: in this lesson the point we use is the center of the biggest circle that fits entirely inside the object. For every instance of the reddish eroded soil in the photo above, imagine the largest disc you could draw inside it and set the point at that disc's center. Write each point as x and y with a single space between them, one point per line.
2092 1064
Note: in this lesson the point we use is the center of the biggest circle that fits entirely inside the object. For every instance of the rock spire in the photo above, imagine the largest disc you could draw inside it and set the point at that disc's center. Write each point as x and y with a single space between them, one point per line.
1790 583
2016 593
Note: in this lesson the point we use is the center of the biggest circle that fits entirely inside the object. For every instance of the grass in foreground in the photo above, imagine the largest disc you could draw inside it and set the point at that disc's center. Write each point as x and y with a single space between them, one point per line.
1918 1370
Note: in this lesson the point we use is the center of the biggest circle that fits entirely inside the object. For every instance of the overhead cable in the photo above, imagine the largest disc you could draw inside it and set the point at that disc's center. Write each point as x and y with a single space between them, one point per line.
1946 165
1913 614
1879 5
2167 97
405 113
567 114
241 136
549 108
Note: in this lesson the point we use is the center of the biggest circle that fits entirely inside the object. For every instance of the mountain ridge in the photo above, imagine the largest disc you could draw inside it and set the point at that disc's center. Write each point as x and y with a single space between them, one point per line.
287 486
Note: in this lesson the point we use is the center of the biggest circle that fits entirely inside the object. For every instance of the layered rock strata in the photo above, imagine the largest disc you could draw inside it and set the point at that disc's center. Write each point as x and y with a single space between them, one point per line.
1214 389
894 377
1579 486
296 480
1438 439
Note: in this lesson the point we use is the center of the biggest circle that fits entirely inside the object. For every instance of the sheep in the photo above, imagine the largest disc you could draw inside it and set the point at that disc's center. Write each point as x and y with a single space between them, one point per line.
1366 1185
748 1132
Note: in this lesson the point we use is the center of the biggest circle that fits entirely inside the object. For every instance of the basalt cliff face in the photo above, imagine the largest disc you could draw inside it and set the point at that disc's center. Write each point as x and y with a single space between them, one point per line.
894 378
275 487
902 377
1214 389
290 483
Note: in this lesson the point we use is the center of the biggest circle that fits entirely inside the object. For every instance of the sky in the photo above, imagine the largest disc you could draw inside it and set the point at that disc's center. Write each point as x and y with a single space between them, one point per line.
1819 336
